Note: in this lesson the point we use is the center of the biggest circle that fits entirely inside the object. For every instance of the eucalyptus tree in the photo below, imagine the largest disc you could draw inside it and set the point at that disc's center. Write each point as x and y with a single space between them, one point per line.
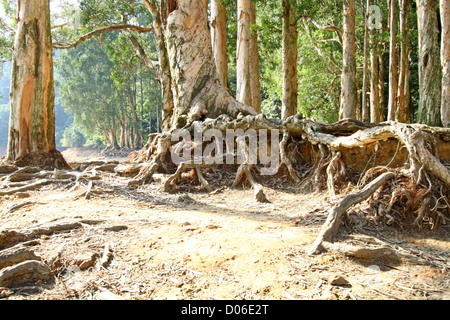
31 137
430 73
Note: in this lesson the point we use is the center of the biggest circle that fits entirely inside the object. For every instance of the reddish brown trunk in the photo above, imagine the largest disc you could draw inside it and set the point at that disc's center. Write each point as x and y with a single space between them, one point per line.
32 120
348 79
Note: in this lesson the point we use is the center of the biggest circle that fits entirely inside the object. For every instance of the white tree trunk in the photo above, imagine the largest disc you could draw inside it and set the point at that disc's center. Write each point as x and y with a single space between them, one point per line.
218 38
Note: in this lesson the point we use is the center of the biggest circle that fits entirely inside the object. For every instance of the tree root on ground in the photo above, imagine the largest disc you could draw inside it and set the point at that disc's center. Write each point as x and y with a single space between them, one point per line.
335 216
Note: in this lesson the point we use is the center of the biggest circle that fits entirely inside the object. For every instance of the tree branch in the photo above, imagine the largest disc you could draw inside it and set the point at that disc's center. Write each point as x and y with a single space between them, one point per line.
140 52
100 30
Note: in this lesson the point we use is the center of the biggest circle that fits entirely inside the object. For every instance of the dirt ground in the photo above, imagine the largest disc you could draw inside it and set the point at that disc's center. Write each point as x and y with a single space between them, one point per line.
225 245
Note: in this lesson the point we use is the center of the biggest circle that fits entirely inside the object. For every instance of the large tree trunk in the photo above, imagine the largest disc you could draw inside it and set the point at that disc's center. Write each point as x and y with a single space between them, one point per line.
393 64
218 38
32 119
255 85
348 79
290 53
430 81
197 91
445 61
402 108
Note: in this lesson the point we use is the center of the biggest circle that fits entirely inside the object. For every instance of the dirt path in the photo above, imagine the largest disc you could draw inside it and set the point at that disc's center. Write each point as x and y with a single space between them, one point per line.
200 246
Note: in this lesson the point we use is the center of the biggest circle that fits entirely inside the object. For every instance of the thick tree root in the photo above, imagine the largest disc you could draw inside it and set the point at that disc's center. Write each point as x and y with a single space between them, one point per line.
285 159
335 216
26 271
47 161
181 169
244 174
19 264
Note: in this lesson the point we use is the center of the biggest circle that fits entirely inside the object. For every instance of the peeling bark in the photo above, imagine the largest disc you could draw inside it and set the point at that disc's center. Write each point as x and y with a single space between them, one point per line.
197 92
430 80
32 119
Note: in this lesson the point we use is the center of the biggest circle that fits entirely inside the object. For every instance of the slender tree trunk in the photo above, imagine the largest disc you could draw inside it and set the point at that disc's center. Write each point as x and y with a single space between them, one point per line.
402 109
255 85
374 83
219 39
445 61
365 109
348 79
141 96
31 138
243 81
430 80
290 55
393 62
164 74
381 89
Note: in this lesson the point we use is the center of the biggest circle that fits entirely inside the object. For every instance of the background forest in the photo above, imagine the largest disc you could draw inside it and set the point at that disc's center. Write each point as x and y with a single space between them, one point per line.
106 96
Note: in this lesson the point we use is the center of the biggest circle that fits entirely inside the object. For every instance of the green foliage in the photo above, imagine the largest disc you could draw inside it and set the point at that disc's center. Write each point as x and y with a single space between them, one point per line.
73 137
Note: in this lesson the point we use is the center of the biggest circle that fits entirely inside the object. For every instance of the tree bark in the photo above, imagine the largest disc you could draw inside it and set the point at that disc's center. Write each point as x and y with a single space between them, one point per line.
164 75
255 85
381 89
32 119
290 55
365 110
430 81
402 108
197 92
445 61
393 64
374 83
243 87
218 38
348 79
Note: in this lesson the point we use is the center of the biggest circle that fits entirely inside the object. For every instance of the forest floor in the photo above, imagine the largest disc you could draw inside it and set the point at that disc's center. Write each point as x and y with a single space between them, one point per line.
224 245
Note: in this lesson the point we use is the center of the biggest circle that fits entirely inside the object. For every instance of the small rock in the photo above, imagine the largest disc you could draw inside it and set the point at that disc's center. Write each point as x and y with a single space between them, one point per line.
184 198
185 224
116 228
85 260
212 226
338 281
22 195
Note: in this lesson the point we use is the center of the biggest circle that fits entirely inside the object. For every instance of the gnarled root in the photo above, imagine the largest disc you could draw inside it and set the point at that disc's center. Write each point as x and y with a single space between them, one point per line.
336 214
182 168
244 174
